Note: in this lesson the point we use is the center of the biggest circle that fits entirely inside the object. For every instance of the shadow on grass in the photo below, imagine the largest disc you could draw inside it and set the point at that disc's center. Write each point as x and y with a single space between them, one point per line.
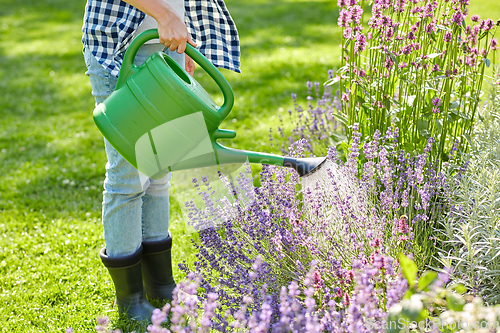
268 24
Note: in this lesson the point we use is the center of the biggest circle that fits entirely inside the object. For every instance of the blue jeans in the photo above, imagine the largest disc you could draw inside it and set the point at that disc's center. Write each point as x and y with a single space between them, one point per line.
135 207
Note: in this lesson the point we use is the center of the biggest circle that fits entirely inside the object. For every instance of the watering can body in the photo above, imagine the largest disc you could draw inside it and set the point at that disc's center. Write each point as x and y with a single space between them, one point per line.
161 120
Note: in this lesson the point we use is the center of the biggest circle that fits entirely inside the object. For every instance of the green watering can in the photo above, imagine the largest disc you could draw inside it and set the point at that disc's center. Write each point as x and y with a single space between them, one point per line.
161 120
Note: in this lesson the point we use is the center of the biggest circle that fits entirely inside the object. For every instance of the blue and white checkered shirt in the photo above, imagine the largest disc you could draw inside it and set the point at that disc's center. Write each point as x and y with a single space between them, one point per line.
109 26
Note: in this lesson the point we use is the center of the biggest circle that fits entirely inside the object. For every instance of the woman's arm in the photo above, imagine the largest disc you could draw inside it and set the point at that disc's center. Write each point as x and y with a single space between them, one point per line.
171 28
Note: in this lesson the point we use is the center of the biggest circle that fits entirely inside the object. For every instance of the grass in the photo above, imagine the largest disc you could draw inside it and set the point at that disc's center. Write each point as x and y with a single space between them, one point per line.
52 157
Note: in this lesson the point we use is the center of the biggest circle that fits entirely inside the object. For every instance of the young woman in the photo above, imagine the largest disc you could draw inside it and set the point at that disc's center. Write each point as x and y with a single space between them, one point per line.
135 207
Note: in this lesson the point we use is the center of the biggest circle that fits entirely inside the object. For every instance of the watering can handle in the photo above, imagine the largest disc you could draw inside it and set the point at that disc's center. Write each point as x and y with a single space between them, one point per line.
129 68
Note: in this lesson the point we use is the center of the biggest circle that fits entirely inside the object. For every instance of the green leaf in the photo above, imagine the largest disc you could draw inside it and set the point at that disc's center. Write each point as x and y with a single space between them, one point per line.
455 301
342 146
454 105
423 128
360 99
409 147
452 117
426 280
343 69
442 27
332 81
387 104
408 294
347 44
434 55
409 269
469 140
341 118
422 124
463 116
438 124
338 137
459 288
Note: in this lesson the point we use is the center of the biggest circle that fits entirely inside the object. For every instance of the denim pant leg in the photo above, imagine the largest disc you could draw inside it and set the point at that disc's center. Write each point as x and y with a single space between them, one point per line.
134 206
155 213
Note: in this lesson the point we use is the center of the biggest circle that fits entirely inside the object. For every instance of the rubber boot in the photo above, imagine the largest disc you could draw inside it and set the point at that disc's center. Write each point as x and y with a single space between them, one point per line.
157 268
126 274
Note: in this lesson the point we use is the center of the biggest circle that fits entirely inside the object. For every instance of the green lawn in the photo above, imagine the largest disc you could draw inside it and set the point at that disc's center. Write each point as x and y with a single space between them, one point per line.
52 157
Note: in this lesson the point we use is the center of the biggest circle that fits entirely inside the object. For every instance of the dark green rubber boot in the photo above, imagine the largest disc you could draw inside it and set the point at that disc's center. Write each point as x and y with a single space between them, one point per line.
126 274
157 268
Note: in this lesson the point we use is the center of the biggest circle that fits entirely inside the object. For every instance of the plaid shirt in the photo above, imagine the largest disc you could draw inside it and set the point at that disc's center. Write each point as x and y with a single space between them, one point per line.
108 28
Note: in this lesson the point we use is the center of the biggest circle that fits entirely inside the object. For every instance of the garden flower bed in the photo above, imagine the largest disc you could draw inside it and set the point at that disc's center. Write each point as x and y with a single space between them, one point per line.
399 229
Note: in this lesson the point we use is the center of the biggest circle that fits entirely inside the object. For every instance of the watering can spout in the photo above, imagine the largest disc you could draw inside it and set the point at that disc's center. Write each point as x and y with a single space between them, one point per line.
304 166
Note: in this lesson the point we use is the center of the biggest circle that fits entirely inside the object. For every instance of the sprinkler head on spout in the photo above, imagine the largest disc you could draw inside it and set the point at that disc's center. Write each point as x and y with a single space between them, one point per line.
304 166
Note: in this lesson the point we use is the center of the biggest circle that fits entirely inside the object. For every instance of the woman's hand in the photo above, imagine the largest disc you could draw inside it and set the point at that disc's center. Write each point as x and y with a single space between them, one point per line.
171 28
173 32
189 65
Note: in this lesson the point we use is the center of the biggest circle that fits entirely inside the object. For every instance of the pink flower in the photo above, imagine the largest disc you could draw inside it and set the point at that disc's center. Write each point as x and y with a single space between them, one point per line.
350 276
487 24
407 49
317 282
356 13
345 97
376 243
431 28
360 44
347 33
388 62
344 18
430 8
475 18
457 17
402 226
400 5
494 44
389 33
448 36
347 300
436 101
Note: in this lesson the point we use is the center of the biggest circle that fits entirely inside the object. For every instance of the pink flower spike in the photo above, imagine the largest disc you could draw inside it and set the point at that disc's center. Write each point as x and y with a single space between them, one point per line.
494 44
448 36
